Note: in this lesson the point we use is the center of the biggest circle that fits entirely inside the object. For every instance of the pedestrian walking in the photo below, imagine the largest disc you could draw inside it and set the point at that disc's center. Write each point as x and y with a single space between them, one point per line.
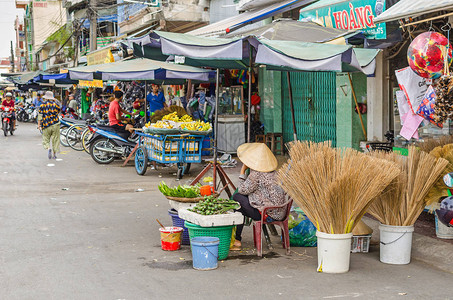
49 123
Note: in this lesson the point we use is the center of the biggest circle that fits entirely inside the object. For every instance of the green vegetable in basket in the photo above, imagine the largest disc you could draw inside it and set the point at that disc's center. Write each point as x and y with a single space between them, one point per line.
213 206
185 191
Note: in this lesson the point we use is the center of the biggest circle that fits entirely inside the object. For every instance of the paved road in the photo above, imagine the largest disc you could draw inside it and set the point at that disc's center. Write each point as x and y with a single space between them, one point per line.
98 239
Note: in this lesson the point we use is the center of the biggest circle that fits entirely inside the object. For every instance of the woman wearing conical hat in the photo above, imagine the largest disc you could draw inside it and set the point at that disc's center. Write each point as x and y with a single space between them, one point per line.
260 187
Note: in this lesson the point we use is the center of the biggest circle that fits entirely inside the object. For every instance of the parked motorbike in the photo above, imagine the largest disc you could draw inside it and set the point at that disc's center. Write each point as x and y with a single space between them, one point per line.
21 114
107 144
7 120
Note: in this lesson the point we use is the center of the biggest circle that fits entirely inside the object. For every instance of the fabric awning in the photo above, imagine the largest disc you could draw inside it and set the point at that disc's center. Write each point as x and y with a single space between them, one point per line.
110 18
249 17
139 69
302 56
290 30
413 8
61 78
206 52
26 78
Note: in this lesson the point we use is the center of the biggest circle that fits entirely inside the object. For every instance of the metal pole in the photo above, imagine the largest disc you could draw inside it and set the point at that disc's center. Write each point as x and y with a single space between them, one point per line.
249 109
290 92
146 103
216 125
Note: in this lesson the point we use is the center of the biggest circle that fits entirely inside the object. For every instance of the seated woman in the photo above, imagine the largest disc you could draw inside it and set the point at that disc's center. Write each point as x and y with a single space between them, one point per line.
260 187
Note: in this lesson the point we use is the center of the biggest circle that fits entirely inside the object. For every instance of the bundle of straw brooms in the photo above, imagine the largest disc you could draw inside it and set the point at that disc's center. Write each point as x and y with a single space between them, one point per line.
408 194
336 187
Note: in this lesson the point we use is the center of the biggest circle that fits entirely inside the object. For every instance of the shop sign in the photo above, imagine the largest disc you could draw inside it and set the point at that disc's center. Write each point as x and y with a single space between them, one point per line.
40 3
103 56
350 15
91 83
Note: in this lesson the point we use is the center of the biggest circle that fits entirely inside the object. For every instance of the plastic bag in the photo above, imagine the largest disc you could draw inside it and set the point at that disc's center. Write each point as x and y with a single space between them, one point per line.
302 232
428 105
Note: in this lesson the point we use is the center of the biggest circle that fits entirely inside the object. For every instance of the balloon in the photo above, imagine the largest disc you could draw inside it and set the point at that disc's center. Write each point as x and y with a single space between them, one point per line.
426 54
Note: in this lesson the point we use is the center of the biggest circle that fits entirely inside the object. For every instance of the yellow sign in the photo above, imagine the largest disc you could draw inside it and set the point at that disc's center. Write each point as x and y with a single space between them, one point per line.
104 56
91 83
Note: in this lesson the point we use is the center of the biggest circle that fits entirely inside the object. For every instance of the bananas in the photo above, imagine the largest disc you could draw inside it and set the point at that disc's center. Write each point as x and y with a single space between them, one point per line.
174 117
171 117
186 118
185 124
162 124
196 126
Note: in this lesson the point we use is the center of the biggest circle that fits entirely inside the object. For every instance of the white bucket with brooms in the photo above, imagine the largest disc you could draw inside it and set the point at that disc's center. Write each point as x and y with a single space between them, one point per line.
334 252
395 244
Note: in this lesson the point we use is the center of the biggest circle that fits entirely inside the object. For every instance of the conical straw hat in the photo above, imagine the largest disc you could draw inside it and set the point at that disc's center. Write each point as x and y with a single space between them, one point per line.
362 229
258 157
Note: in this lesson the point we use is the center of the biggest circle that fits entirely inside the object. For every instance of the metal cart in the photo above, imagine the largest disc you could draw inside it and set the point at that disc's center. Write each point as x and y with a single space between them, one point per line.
181 150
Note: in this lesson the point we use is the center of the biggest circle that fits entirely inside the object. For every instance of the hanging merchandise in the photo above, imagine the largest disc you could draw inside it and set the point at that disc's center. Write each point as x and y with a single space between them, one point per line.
413 86
427 107
426 54
444 101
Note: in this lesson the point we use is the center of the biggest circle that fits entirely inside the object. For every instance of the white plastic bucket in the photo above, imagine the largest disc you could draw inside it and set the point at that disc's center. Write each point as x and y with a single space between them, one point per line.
334 252
396 244
443 231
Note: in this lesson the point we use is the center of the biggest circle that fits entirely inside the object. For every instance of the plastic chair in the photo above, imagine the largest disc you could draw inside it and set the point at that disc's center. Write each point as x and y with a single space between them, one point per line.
258 227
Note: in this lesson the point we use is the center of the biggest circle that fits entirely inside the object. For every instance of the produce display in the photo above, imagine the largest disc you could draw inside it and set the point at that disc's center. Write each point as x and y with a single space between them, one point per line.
181 191
174 117
196 126
160 124
214 206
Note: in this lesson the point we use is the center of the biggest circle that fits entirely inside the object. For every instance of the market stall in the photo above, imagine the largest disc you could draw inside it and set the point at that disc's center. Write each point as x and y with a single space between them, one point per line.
168 141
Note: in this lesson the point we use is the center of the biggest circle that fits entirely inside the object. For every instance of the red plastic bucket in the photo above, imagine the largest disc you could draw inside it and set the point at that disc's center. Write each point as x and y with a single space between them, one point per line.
170 238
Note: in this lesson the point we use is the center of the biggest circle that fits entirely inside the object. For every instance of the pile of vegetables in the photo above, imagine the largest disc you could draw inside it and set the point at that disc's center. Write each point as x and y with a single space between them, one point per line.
214 206
181 191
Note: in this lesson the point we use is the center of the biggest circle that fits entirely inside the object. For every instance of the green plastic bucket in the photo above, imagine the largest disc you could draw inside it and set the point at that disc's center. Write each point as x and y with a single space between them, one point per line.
221 232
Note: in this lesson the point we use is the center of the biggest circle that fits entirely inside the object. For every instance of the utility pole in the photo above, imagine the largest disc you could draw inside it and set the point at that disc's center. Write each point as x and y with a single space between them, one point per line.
93 25
12 58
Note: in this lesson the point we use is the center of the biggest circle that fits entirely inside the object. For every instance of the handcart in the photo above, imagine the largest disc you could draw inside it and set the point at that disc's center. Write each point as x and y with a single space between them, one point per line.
179 149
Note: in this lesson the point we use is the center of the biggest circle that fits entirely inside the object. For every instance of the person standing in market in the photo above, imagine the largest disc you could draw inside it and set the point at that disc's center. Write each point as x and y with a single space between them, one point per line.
156 100
72 104
49 124
38 100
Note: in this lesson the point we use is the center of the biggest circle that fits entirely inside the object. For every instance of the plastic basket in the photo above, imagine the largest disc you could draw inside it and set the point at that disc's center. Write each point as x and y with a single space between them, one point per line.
221 232
360 243
178 222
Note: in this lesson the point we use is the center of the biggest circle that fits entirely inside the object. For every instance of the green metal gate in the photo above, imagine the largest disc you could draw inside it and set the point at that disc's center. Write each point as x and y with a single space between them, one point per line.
314 96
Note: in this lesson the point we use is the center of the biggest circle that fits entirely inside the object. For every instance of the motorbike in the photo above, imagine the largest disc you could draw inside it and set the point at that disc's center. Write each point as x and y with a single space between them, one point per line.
107 144
7 120
21 114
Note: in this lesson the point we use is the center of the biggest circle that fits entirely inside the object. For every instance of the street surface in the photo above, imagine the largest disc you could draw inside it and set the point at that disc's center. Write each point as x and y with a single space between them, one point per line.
78 230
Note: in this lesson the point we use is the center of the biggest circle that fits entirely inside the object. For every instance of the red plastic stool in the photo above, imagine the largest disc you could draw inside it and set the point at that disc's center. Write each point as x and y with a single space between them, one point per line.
258 226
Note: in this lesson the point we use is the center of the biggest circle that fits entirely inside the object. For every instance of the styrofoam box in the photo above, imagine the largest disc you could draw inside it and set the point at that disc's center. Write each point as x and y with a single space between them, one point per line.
176 205
235 218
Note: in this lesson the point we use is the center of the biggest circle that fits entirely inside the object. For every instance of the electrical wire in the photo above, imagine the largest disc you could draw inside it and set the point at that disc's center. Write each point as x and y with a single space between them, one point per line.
61 47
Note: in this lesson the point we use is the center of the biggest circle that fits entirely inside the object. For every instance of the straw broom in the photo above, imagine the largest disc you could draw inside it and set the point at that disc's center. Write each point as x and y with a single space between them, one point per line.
334 187
429 144
404 199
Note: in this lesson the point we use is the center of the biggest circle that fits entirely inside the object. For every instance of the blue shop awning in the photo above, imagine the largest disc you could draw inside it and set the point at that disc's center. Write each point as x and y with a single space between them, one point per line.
110 18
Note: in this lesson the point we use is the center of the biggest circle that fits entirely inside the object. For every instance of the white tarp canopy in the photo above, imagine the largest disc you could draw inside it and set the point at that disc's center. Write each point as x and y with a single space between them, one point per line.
413 8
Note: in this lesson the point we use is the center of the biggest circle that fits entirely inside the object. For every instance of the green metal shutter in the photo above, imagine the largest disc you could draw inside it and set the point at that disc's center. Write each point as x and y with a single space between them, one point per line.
314 96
